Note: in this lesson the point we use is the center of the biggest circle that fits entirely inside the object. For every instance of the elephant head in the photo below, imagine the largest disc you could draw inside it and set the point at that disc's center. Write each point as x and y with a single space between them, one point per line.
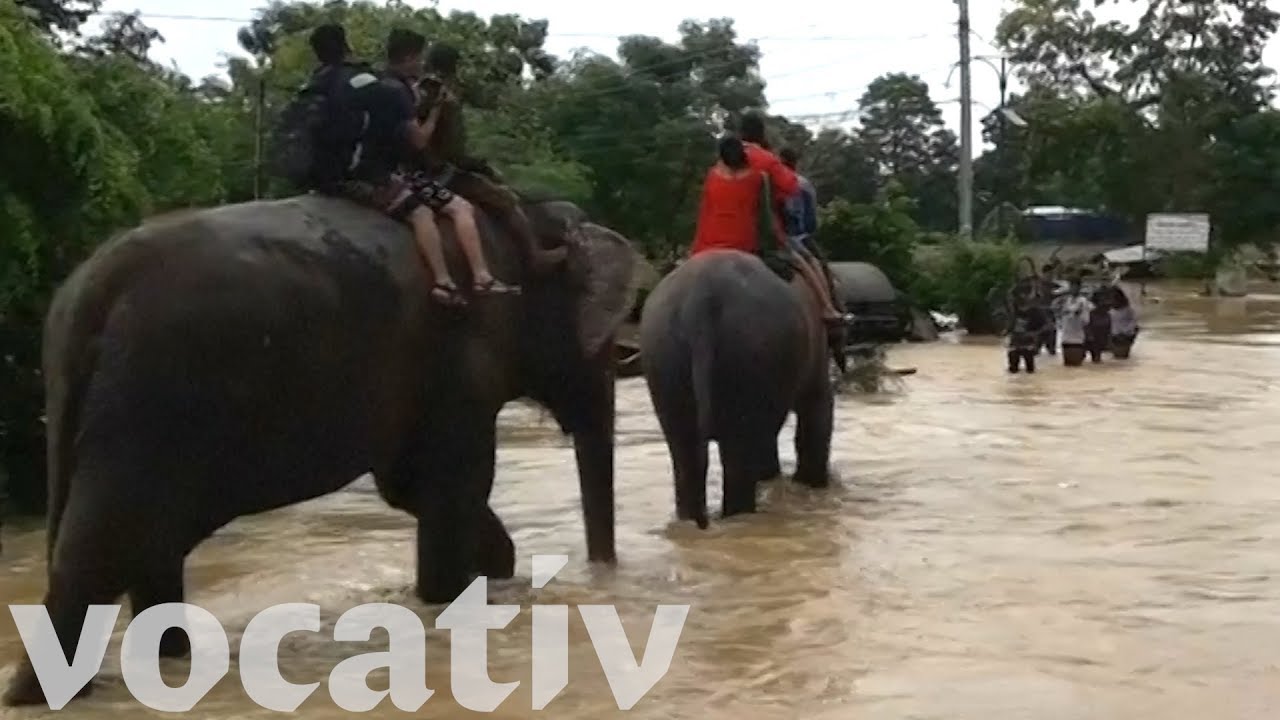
569 328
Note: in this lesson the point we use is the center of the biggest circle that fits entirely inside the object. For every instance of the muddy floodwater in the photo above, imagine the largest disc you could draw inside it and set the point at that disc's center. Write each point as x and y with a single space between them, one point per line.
1096 542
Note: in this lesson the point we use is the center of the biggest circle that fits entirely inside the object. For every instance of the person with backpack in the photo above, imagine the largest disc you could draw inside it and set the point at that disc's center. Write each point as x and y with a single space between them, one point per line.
313 144
371 121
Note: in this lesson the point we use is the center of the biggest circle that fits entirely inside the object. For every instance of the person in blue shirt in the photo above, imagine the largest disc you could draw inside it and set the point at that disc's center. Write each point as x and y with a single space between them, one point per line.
800 220
801 208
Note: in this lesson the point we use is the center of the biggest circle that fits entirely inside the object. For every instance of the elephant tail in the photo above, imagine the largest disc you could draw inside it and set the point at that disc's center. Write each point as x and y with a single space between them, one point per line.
703 399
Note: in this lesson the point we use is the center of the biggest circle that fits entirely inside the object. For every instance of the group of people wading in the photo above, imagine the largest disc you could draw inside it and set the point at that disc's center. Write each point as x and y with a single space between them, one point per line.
1085 325
393 139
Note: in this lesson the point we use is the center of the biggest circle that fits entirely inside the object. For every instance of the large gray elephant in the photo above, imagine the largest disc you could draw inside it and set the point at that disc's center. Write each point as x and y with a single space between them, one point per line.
729 349
217 363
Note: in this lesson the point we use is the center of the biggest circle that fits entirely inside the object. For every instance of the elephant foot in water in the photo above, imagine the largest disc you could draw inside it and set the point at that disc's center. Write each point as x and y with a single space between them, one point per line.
24 689
813 479
814 422
496 558
771 466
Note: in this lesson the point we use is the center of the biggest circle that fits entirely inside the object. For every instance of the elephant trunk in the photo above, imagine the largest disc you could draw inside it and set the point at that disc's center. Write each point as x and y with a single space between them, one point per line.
593 444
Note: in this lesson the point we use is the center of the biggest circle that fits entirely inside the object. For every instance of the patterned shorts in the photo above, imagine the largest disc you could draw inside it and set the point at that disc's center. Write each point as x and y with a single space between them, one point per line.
399 195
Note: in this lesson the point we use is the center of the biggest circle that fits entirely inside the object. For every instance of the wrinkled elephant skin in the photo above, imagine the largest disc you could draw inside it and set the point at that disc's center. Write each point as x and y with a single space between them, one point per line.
729 349
217 363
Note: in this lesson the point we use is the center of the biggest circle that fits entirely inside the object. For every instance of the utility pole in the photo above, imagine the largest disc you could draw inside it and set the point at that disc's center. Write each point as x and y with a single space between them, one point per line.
1004 138
257 133
965 181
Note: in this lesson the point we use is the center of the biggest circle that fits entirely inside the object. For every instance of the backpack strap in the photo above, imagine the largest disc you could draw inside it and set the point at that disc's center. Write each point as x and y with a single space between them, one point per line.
361 77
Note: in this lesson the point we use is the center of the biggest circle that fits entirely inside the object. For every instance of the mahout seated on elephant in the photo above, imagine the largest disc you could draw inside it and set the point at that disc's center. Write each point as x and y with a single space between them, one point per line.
216 363
445 159
783 185
742 209
731 342
800 213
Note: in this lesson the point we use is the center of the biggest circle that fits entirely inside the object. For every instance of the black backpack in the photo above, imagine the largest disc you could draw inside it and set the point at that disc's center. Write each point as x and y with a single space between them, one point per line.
316 138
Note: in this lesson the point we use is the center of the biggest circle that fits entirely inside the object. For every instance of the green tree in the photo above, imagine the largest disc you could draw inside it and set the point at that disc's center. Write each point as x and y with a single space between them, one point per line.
644 125
69 179
61 16
906 140
1246 181
1145 109
838 166
881 233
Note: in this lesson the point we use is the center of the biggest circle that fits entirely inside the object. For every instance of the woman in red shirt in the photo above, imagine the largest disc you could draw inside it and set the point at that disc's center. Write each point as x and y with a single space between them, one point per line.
729 216
737 209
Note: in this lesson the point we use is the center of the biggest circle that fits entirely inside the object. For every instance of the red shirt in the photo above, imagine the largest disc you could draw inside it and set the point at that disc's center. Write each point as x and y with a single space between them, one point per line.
730 213
782 179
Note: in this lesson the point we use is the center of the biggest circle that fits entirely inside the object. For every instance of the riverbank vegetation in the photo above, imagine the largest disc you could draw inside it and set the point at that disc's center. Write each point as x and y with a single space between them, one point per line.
1172 112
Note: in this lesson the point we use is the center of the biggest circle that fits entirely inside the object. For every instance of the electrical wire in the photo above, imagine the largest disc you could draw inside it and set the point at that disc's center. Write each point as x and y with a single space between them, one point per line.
608 139
623 85
601 36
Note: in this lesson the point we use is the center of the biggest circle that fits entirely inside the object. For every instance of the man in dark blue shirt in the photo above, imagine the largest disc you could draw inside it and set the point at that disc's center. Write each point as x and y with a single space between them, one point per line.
800 220
802 208
393 133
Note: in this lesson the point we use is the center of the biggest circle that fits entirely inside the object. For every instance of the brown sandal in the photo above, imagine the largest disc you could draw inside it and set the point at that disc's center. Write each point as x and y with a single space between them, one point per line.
495 286
446 293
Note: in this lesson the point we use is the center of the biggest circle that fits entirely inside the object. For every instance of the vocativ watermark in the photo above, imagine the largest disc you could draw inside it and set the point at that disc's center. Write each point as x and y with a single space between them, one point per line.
468 619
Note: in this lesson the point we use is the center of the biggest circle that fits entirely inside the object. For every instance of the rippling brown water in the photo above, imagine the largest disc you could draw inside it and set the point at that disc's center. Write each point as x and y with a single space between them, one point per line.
1082 543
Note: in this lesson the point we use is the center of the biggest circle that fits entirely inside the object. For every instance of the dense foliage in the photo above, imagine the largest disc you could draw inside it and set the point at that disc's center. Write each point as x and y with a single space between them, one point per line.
1172 112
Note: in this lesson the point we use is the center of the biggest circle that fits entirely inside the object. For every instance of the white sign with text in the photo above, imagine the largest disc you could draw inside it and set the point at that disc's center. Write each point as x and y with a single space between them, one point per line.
1177 232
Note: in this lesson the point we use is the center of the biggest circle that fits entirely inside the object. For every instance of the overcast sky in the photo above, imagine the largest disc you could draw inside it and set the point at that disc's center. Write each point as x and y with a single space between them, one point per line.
818 56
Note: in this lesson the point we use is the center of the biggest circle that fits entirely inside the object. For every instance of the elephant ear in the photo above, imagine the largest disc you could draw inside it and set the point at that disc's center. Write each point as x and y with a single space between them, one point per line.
605 265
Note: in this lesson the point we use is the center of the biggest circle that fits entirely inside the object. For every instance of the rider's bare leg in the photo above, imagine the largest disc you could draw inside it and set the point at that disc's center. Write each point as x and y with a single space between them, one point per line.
427 237
464 221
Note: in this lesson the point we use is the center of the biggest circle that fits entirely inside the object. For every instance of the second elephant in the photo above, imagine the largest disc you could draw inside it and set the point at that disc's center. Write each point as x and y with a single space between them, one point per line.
729 350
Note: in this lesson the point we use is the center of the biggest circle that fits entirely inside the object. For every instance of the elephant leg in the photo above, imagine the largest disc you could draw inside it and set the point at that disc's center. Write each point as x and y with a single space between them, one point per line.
497 551
770 463
689 460
740 458
160 583
815 419
90 566
451 509
677 416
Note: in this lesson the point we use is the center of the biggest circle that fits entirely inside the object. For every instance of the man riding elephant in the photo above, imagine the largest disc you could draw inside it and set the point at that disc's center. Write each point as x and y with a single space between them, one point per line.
388 137
221 362
729 348
801 224
447 161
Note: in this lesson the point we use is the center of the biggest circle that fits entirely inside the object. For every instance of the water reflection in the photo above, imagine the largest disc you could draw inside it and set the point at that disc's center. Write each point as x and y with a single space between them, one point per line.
1091 542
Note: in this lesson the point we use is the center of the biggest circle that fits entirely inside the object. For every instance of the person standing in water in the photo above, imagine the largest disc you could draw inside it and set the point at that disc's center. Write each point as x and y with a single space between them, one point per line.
1027 322
1098 331
1124 324
1071 327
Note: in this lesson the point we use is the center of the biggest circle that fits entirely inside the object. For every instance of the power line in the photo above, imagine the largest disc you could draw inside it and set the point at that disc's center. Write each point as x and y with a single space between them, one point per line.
878 38
621 88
